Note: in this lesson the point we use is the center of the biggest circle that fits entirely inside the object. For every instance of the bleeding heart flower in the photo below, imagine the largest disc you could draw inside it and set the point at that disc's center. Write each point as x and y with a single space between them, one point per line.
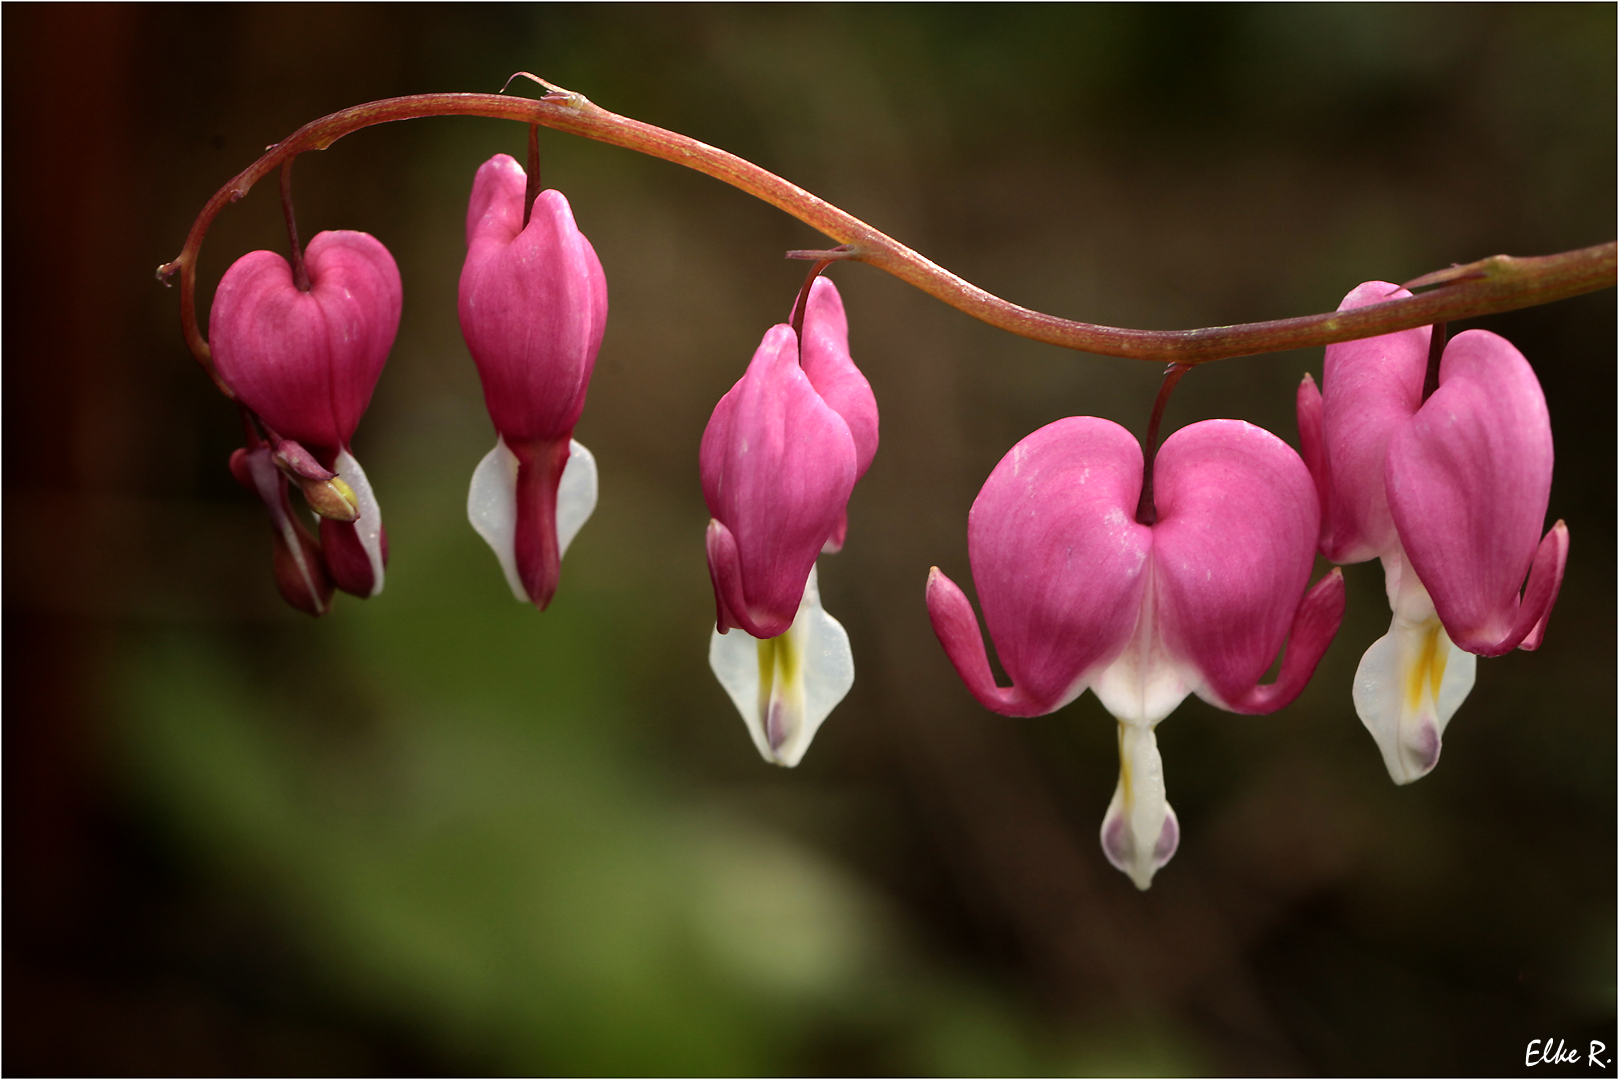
533 304
779 459
1077 594
1450 492
306 364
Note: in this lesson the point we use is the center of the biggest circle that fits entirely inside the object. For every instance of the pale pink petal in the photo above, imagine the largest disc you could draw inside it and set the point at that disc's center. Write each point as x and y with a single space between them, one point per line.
1469 478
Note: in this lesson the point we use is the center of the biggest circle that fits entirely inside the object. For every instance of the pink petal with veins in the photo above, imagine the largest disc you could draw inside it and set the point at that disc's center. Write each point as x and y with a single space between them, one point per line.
1469 479
306 362
1233 548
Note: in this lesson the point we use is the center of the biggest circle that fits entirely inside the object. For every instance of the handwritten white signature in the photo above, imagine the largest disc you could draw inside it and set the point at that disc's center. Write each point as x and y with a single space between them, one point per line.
1563 1055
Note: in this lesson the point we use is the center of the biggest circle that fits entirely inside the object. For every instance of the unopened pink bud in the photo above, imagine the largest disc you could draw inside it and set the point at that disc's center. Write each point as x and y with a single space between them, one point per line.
533 304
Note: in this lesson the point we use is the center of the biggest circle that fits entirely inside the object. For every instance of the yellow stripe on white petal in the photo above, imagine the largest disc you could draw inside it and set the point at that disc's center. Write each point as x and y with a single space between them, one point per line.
492 504
368 525
1140 831
785 686
1412 680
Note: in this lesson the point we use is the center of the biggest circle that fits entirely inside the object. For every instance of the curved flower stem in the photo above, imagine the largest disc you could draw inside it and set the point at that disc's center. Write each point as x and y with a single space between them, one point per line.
1499 283
1146 508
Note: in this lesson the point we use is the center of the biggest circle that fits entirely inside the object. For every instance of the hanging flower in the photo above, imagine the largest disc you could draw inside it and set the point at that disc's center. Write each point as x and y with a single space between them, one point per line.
533 303
1077 594
1450 493
306 362
779 459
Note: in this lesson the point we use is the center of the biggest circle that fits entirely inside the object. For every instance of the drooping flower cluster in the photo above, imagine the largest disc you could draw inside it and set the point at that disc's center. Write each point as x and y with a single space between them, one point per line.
1446 479
1144 579
1437 462
306 362
779 459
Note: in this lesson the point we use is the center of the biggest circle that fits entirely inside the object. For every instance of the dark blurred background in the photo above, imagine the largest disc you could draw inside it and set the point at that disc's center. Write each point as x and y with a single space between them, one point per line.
438 832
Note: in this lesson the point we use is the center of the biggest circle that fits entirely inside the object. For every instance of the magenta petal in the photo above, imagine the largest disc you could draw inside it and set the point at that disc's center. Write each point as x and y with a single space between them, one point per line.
1314 626
778 465
1233 549
306 362
957 629
346 557
1369 387
832 372
725 573
536 549
1545 579
533 305
1057 555
1469 478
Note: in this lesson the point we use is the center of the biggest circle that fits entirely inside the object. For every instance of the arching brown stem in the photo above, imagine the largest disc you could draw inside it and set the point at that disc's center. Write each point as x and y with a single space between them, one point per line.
1499 283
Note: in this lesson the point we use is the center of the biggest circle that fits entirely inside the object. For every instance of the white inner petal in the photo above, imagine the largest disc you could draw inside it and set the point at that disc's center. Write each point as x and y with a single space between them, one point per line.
1413 678
786 686
492 504
576 494
368 526
492 509
1144 684
1140 831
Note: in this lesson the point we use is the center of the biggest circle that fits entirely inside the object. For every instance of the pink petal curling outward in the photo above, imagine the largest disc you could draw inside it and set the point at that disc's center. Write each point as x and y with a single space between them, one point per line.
533 305
1451 494
306 363
779 458
1076 593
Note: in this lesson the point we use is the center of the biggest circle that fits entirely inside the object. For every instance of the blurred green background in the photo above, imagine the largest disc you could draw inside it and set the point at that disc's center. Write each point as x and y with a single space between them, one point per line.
438 832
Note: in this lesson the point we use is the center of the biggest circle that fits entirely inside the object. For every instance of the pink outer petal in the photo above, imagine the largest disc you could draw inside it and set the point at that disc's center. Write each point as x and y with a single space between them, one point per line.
1469 478
1233 548
778 465
957 629
1369 388
1058 557
307 362
533 304
832 372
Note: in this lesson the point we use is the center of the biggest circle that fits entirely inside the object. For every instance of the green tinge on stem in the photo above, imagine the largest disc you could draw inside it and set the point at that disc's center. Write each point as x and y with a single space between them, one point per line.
1499 283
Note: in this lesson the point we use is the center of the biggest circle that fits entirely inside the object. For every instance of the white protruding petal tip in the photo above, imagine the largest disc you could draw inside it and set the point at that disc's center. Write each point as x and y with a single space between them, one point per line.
786 686
1140 831
1407 687
576 494
492 509
368 526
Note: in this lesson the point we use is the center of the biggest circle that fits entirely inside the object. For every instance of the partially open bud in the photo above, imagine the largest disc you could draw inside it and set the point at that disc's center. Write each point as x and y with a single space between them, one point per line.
300 571
306 364
326 493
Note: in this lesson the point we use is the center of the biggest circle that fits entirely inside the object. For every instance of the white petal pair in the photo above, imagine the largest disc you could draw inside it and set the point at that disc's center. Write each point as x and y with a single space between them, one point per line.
785 686
492 504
